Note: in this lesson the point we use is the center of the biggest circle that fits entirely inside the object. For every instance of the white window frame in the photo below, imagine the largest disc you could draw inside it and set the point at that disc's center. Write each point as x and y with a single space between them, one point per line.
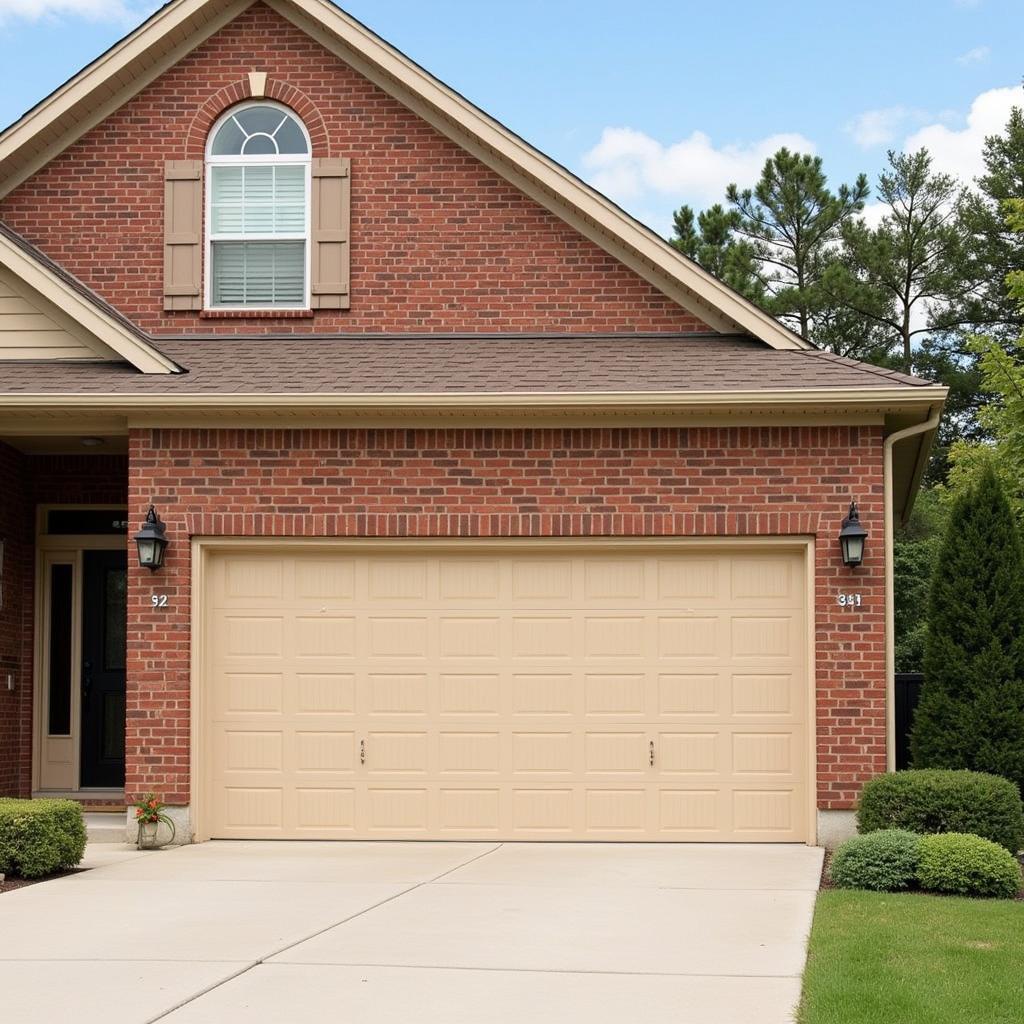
288 160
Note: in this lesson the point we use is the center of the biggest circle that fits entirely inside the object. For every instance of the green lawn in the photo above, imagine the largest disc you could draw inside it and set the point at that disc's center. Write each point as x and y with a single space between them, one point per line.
913 959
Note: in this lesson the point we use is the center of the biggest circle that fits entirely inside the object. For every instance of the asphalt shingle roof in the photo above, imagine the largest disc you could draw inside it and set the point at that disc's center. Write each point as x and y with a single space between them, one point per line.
368 365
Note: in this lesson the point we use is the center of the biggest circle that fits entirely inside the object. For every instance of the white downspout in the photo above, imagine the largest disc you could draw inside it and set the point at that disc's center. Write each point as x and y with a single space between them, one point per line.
890 596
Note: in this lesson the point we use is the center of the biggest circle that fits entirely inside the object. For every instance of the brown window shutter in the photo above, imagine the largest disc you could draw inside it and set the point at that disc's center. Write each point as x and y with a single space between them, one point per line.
183 234
330 211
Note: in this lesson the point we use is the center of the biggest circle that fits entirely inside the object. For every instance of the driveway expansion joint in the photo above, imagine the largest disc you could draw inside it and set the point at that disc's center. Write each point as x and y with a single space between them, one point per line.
320 931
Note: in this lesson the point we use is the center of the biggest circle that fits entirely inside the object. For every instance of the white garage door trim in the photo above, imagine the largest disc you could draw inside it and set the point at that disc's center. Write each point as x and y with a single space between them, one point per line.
204 547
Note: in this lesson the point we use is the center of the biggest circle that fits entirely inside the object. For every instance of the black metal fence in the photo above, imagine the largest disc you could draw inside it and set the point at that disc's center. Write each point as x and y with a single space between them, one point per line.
908 693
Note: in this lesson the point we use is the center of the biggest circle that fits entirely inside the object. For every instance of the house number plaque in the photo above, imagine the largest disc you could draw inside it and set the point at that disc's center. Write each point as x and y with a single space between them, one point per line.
850 600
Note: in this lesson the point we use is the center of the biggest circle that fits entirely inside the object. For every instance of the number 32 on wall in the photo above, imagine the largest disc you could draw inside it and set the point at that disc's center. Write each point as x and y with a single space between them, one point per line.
850 600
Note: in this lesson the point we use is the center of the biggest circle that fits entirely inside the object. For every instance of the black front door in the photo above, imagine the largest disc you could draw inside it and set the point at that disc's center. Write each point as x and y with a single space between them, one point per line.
104 626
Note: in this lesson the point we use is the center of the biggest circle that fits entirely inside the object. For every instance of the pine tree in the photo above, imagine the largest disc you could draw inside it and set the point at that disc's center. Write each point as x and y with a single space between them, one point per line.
903 275
710 240
793 221
997 247
971 713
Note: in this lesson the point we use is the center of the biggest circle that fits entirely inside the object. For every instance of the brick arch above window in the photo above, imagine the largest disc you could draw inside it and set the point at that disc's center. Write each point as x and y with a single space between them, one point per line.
238 92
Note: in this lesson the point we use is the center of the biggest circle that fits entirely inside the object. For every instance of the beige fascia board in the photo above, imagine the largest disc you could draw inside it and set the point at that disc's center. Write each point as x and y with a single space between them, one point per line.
121 60
506 153
878 399
90 318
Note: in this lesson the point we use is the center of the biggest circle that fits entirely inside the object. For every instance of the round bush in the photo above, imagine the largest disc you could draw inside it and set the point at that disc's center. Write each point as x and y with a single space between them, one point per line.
933 800
967 866
38 837
885 861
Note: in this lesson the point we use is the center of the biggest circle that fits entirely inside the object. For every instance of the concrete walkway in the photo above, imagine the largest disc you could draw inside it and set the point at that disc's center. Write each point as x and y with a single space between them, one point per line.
381 933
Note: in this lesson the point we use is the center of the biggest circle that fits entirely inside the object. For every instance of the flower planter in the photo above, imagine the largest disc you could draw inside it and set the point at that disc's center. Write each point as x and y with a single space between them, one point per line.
150 814
148 835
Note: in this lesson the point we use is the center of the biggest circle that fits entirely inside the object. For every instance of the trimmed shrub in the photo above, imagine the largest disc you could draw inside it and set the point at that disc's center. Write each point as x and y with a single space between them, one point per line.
931 800
967 865
38 837
885 861
971 713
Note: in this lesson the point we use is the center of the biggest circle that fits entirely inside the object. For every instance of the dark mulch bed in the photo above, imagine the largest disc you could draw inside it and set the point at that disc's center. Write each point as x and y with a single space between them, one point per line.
10 883
826 882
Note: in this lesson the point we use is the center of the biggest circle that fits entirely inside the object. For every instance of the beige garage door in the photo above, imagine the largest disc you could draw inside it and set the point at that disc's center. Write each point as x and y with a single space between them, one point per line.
631 694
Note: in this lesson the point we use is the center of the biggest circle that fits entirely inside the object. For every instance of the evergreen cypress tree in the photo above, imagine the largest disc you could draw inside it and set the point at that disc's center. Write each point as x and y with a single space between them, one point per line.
971 713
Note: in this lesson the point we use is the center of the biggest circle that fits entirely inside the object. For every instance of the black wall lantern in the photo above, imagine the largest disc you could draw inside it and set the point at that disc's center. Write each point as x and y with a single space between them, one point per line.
151 541
852 537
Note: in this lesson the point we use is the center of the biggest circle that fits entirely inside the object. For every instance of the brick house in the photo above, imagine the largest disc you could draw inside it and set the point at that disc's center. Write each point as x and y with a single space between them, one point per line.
488 514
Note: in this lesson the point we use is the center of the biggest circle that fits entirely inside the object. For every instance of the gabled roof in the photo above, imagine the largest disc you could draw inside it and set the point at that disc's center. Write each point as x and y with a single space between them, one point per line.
181 25
92 316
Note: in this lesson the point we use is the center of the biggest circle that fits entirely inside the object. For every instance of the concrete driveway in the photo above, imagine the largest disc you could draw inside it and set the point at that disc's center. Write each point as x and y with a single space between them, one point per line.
375 933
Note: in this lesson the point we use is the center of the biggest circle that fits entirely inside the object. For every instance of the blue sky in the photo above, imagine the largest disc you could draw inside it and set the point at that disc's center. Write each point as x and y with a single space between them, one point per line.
656 102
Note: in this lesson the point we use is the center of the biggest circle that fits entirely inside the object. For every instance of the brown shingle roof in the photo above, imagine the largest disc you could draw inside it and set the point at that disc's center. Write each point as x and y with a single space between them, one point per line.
424 365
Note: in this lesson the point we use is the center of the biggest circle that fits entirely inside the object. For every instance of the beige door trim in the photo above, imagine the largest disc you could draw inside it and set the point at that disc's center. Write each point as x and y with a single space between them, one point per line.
61 549
204 547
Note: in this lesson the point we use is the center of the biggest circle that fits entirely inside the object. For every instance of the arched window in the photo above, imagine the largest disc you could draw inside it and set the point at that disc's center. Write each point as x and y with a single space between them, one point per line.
257 210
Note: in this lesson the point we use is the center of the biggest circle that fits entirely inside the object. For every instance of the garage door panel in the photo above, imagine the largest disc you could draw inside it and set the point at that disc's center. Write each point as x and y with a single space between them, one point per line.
514 695
690 752
471 693
620 752
689 694
324 693
326 812
616 695
616 810
324 579
391 693
766 694
250 693
765 579
546 694
254 637
469 752
764 637
397 637
396 752
765 811
689 638
325 752
469 811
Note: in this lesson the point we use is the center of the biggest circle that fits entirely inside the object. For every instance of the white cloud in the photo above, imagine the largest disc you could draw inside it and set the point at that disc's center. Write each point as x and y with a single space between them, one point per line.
627 164
873 213
91 10
976 55
877 127
958 150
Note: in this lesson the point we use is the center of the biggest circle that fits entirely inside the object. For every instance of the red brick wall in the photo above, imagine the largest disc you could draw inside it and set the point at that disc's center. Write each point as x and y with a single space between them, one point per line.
439 242
25 482
507 482
15 619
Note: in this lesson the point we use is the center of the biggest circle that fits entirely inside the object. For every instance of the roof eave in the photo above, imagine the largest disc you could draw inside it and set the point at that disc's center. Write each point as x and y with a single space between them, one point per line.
90 316
877 398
